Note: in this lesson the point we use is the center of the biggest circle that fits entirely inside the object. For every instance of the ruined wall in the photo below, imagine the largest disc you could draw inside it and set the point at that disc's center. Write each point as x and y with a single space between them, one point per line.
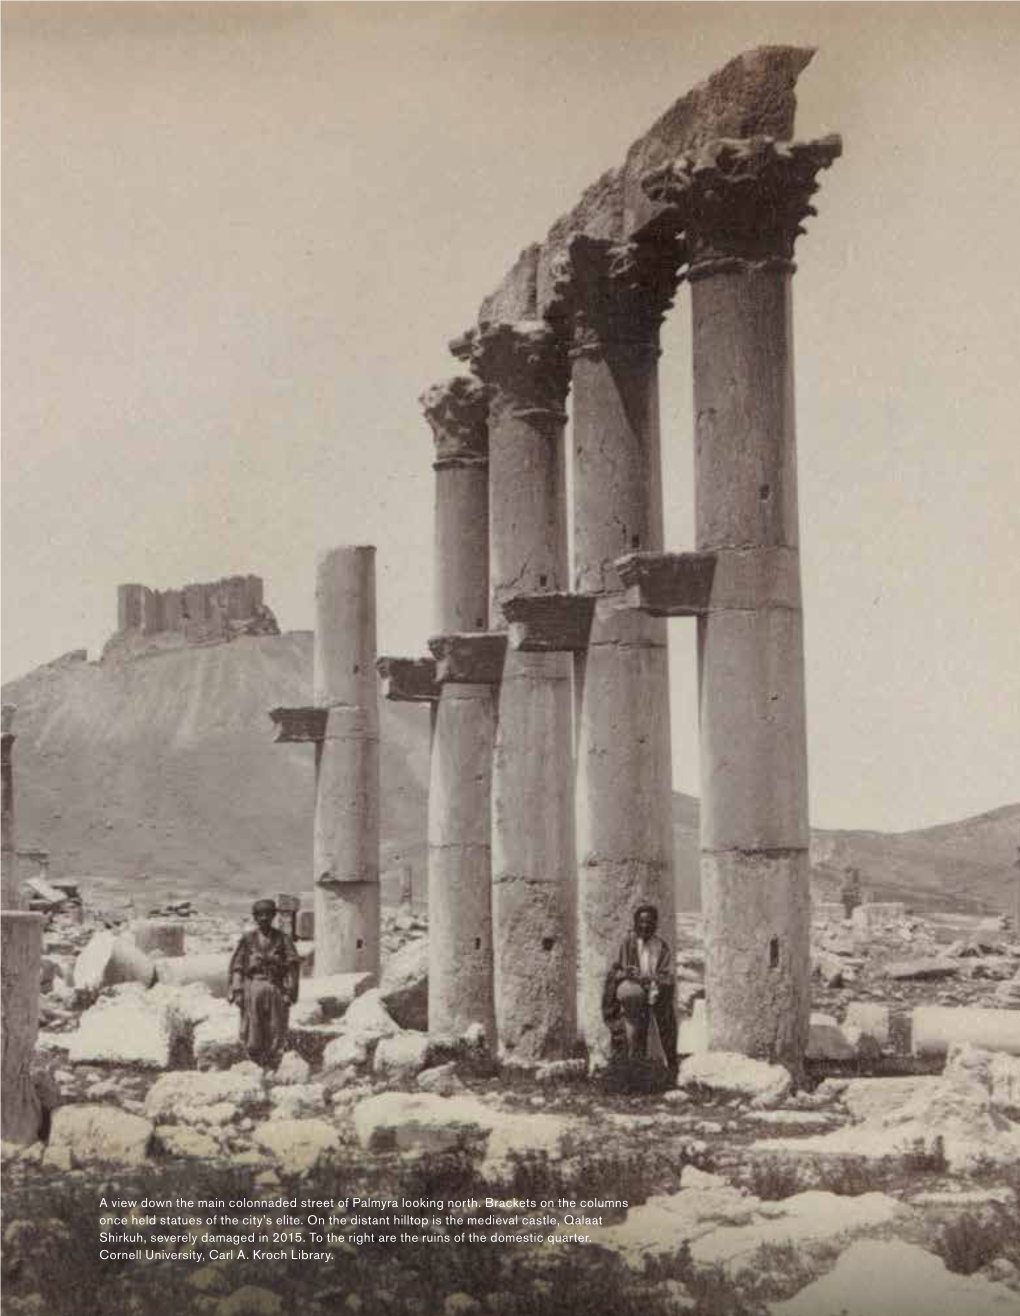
202 612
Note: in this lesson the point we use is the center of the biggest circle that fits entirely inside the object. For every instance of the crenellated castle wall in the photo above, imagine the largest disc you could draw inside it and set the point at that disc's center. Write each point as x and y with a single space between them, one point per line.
199 610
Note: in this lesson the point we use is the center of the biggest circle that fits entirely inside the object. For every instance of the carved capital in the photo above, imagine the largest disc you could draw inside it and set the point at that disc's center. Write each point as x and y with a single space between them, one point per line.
742 200
458 412
616 294
525 364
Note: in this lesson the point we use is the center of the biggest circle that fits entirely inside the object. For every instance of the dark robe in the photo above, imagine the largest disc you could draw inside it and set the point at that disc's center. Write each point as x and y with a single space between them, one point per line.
642 1031
265 970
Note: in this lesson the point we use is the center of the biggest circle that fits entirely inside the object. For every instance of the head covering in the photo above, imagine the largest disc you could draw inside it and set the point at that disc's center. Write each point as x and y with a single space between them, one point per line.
647 909
261 905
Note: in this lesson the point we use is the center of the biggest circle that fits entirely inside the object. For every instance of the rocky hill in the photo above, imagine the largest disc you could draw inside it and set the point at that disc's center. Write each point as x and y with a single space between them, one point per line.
158 773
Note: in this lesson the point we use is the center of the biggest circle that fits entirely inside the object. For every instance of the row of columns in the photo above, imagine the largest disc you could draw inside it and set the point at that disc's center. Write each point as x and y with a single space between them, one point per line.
732 213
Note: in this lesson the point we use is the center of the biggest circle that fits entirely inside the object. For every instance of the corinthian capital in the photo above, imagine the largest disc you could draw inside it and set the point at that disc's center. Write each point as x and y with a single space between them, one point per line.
617 293
525 364
458 412
742 200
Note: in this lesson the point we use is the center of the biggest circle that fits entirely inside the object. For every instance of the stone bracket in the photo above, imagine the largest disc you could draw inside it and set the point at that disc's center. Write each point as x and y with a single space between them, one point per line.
408 680
469 657
668 584
550 623
299 726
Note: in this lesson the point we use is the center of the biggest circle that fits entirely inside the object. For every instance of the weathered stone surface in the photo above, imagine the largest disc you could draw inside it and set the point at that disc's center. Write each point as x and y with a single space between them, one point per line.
365 1022
297 1101
210 968
346 825
871 1017
99 1134
158 936
422 1122
292 1069
241 1087
934 1028
130 1033
109 959
21 938
878 1278
877 914
441 1080
404 985
299 1144
183 1140
923 969
335 993
402 1055
216 1042
721 1071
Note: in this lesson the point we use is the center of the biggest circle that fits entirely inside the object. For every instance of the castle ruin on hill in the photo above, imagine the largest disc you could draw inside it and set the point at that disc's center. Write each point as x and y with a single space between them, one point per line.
204 613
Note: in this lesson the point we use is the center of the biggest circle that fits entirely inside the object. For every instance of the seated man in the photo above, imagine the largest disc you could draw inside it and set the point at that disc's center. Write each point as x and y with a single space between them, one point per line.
264 973
637 1005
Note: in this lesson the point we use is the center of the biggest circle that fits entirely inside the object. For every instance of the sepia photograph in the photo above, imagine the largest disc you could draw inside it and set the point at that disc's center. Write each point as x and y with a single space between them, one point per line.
511 664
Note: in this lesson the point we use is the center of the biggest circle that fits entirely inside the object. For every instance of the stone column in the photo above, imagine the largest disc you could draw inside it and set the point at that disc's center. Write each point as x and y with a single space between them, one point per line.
460 854
740 205
346 841
20 955
9 856
533 861
617 296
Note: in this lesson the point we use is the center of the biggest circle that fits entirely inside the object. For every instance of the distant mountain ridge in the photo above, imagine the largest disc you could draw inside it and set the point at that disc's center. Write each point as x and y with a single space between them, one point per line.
164 765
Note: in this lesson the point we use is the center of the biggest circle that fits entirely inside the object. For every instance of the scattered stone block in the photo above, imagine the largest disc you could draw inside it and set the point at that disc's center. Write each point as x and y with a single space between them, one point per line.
238 1087
157 936
401 1056
877 914
927 970
209 968
404 985
113 1032
298 1144
297 1100
186 1141
723 1071
334 994
871 1018
440 1079
292 1069
88 1135
692 1035
876 1278
109 959
934 1028
826 1040
216 1039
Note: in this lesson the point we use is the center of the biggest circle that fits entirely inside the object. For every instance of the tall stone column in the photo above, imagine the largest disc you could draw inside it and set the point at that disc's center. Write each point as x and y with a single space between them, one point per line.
460 853
533 862
740 204
20 956
617 296
346 840
9 855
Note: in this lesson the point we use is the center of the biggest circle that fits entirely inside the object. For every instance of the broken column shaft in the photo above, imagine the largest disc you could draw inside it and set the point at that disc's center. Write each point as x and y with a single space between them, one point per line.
617 296
21 952
346 838
533 862
459 853
740 204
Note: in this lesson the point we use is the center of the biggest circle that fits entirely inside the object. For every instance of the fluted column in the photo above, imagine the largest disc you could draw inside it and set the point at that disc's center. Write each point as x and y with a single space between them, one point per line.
533 877
346 838
616 297
740 204
460 853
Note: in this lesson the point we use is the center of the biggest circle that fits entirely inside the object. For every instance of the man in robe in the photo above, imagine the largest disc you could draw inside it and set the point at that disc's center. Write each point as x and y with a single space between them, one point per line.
638 1005
264 974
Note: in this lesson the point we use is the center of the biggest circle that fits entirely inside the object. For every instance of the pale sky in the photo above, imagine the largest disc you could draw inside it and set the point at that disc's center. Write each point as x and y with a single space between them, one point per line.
237 238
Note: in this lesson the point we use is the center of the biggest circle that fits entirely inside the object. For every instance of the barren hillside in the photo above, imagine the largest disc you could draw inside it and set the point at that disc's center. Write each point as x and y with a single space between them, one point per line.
160 772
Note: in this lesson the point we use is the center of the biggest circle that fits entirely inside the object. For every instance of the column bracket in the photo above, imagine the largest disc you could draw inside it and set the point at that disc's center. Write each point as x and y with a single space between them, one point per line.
408 680
550 623
667 584
469 657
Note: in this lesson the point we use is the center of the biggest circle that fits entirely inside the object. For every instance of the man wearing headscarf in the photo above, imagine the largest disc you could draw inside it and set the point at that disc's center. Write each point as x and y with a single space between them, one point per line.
637 1003
264 973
